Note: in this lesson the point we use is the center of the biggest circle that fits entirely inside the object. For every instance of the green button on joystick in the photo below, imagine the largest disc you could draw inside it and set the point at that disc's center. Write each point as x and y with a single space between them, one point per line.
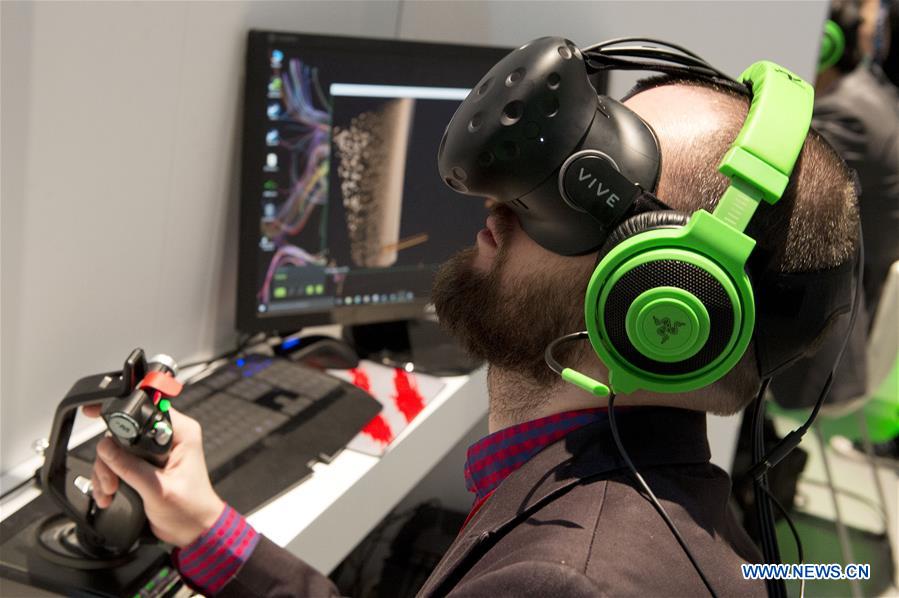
667 324
165 405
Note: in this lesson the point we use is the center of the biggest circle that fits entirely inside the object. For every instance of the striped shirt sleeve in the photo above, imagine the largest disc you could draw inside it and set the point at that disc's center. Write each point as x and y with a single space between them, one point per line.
214 558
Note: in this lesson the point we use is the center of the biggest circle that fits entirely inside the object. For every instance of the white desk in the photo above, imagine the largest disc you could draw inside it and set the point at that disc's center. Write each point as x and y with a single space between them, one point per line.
325 517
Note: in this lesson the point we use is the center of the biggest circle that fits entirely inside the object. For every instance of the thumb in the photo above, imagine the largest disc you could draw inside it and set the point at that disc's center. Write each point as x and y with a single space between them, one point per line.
134 471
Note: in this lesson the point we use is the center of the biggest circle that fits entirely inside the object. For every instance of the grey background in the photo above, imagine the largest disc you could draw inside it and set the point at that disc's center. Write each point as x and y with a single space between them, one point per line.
120 137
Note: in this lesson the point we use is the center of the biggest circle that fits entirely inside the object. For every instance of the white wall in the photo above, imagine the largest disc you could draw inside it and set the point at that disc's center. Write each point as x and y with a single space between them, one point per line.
119 151
730 34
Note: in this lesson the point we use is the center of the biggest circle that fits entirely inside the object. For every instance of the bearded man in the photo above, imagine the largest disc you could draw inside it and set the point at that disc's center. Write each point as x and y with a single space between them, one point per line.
555 512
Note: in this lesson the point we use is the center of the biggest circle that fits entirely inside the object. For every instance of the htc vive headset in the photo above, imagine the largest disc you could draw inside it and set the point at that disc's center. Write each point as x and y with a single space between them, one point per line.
670 306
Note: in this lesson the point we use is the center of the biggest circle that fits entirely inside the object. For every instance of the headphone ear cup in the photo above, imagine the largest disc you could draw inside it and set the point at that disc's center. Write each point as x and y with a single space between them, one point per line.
662 315
832 44
640 223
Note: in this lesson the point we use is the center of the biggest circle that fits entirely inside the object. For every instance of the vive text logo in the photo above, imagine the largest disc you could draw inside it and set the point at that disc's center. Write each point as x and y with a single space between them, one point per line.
584 175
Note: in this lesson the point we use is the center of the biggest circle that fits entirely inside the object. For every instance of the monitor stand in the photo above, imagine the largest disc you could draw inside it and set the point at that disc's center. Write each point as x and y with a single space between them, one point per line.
420 342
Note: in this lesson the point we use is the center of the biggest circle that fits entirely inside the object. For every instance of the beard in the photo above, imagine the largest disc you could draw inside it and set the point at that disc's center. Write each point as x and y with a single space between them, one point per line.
509 322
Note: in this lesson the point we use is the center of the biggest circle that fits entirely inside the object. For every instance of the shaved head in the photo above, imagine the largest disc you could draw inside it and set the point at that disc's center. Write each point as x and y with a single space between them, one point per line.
814 226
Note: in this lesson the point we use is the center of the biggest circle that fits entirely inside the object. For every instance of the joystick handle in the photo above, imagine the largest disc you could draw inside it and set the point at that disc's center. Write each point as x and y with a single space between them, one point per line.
135 409
140 421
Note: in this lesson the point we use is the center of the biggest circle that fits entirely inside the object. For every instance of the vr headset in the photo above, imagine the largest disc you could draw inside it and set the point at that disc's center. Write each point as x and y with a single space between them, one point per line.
670 306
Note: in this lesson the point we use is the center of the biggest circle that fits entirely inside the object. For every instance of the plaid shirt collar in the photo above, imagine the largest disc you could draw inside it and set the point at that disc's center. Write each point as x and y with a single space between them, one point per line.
494 457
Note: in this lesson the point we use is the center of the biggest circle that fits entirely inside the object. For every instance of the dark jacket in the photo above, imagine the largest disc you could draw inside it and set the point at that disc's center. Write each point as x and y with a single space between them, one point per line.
860 119
570 522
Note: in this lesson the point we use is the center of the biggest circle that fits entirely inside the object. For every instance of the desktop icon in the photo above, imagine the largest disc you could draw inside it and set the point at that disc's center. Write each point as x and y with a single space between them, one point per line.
268 210
274 110
277 58
272 138
271 162
274 87
270 185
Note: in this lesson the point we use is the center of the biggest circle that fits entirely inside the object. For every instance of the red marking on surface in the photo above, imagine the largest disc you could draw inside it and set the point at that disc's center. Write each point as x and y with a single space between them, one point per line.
379 430
161 381
408 400
360 379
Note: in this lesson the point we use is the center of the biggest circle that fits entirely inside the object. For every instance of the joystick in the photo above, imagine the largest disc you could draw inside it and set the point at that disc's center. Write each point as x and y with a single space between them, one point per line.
136 411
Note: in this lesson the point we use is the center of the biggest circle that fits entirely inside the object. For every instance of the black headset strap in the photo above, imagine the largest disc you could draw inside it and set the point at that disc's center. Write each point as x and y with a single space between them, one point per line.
622 200
661 56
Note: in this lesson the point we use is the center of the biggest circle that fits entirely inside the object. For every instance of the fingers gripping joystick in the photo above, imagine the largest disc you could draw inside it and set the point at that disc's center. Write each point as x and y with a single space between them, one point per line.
140 422
136 411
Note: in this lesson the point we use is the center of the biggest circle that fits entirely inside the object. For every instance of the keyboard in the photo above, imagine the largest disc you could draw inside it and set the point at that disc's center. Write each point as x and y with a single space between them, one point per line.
265 420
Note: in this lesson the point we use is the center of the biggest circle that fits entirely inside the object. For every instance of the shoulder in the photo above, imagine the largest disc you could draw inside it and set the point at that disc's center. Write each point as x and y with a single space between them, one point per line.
860 103
529 578
635 553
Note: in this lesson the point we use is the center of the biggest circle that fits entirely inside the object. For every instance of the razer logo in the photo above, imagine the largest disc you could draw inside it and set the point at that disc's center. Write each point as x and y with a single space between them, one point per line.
666 328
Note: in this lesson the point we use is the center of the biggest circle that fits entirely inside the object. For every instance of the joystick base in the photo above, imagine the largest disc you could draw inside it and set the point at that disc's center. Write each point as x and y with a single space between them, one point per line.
37 537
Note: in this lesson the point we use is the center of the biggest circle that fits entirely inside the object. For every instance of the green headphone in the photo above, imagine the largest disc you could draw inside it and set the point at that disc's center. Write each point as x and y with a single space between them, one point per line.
833 44
669 307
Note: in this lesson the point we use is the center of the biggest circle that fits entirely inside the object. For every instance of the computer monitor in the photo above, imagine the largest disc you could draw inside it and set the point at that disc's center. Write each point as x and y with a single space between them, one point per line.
344 217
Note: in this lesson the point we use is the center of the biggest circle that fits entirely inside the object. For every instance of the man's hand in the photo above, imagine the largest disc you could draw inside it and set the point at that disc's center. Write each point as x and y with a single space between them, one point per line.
178 499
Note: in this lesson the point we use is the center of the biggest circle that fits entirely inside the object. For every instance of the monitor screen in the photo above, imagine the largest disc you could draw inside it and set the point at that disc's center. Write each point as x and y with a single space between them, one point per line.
344 217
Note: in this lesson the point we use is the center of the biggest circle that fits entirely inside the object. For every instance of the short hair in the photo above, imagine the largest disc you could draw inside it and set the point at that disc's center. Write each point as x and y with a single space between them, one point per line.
814 226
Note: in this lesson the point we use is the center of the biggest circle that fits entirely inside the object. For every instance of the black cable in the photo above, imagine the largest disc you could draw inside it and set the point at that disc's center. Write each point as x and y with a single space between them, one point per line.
555 366
621 40
662 50
548 356
764 516
655 53
758 449
786 516
792 440
241 344
789 520
652 497
606 62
